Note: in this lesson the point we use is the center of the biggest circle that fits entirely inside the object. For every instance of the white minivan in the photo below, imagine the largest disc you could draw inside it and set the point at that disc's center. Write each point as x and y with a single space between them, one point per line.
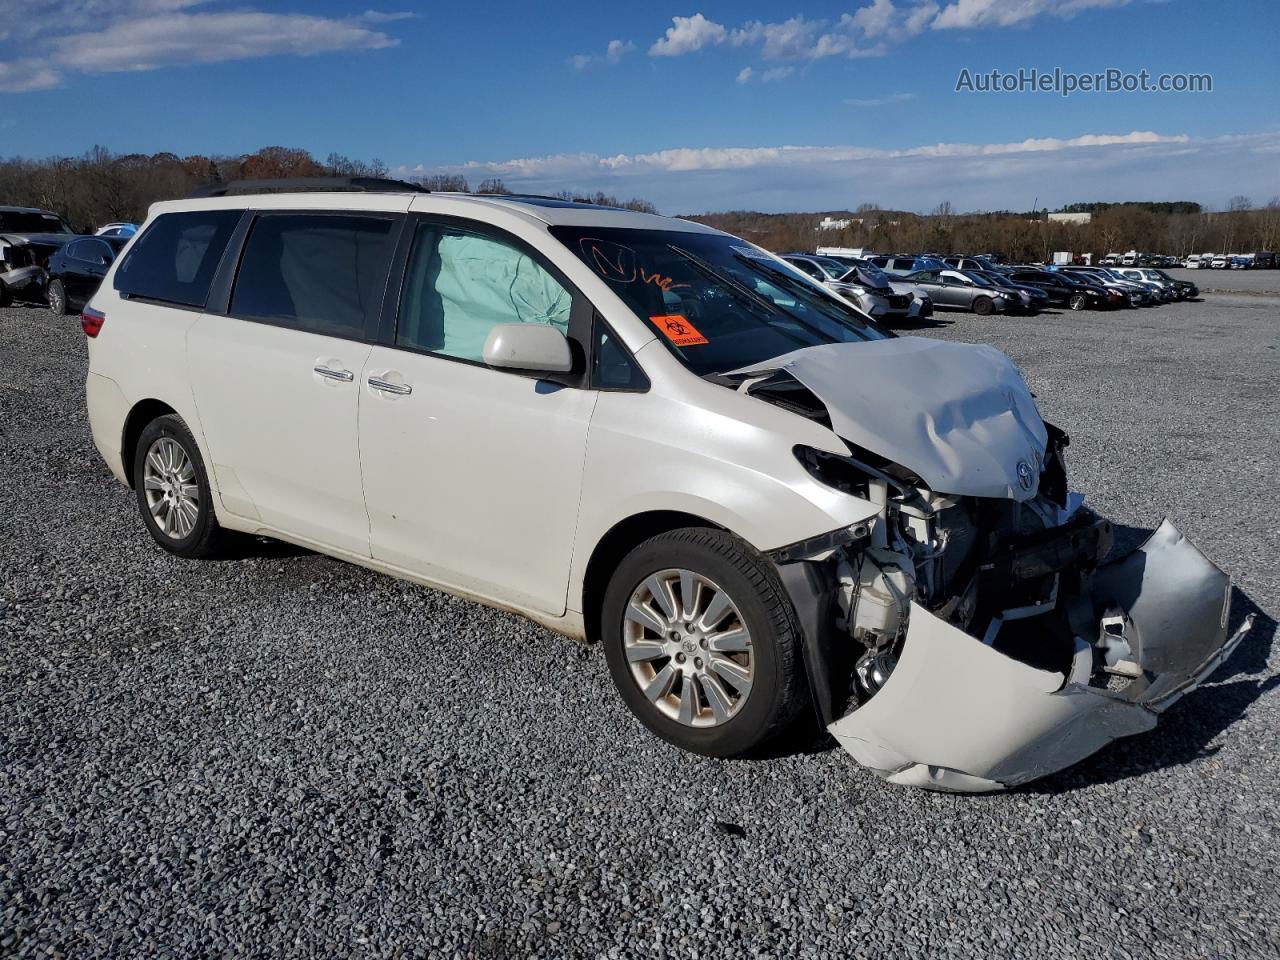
647 433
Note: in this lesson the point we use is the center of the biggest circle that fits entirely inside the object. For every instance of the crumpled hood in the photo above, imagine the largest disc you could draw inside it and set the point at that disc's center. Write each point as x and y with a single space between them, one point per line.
959 415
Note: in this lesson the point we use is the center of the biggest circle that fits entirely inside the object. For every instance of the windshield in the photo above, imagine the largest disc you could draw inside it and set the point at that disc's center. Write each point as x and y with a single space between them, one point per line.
832 268
15 221
716 302
976 277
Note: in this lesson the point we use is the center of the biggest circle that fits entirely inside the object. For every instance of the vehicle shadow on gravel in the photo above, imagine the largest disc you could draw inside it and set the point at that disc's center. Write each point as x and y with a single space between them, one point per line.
259 548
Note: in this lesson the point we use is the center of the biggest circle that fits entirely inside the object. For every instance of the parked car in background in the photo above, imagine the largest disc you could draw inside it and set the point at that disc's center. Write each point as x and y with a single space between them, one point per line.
969 263
764 507
919 305
1157 278
76 269
1110 260
1264 260
1033 298
954 290
1064 289
116 230
1182 289
1138 294
866 287
1242 262
1221 261
903 264
28 237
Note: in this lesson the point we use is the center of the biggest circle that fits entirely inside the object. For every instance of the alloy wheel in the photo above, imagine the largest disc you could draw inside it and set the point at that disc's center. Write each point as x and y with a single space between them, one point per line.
688 648
169 481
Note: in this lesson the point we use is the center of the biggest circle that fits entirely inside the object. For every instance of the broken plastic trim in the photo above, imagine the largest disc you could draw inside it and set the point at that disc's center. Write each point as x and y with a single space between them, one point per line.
958 715
819 545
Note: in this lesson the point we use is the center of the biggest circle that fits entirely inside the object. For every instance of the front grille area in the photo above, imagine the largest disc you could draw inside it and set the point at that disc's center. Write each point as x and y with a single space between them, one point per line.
899 301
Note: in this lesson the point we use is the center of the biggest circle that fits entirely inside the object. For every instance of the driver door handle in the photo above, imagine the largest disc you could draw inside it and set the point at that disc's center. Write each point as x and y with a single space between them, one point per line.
342 376
386 386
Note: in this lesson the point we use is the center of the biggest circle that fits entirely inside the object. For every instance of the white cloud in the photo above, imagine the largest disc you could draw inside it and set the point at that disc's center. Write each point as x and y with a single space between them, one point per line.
613 52
966 14
881 101
866 32
181 38
744 75
973 176
686 35
776 73
105 36
25 75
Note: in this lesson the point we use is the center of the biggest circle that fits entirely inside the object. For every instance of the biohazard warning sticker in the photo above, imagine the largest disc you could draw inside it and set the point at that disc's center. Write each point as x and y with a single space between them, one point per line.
679 331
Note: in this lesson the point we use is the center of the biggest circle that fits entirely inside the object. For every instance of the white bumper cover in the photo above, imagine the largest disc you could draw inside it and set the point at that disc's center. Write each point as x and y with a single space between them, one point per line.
959 715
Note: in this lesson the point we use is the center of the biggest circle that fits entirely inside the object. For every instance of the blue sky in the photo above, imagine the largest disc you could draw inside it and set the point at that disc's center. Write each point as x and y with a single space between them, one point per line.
700 106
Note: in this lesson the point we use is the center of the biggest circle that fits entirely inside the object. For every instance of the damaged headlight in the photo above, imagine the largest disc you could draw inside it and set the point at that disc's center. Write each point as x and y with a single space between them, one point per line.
851 474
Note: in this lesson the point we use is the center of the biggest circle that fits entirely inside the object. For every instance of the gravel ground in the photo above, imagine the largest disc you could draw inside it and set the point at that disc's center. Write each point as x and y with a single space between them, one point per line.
283 754
1232 281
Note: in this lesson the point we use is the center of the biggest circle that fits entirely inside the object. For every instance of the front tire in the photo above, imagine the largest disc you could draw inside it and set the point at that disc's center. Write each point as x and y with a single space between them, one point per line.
703 643
174 496
57 296
1078 301
982 306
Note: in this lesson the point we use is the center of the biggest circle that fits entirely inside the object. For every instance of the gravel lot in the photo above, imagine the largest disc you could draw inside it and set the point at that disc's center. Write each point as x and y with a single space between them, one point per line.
283 754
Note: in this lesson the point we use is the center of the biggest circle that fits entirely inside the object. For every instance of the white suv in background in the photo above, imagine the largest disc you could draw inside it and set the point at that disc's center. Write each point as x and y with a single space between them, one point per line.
655 435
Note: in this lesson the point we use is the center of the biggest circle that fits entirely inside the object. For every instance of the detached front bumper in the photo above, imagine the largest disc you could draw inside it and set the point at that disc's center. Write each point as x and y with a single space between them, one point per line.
959 715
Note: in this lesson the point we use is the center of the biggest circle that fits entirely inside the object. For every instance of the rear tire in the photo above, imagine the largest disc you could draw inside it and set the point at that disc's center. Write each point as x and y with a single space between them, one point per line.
174 495
6 297
680 666
57 297
982 306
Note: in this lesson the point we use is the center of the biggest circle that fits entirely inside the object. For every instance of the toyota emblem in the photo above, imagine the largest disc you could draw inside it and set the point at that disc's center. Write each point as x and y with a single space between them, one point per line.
1025 476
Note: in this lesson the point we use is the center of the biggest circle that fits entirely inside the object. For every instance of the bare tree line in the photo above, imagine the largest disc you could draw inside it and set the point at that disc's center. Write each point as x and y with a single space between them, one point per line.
101 187
1178 229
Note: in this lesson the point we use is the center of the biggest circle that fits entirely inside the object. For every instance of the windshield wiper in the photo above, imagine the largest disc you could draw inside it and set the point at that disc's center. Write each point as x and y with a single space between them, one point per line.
737 286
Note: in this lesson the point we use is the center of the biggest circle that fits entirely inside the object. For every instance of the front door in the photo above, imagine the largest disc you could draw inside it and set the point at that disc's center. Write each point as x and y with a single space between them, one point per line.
472 474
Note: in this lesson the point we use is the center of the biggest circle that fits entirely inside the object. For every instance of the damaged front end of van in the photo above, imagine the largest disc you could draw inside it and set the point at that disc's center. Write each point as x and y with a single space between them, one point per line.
977 632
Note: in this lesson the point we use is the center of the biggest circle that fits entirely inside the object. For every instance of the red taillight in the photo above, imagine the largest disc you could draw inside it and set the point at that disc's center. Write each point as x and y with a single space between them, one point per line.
91 321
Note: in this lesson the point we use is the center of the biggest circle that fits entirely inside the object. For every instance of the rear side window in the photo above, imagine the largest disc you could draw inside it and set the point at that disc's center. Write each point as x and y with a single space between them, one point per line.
324 273
176 257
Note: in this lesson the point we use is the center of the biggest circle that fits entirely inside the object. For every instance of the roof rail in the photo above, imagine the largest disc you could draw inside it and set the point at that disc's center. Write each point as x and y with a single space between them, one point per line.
291 184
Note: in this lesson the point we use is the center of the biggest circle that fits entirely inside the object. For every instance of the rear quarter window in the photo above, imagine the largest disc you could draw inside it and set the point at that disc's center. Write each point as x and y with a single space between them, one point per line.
175 258
323 273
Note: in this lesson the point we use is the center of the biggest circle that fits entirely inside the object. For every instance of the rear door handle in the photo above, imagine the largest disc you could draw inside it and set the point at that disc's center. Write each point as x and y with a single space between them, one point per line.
342 376
387 386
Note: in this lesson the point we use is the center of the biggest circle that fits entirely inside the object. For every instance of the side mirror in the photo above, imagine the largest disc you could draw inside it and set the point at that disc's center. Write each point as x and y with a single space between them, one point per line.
535 347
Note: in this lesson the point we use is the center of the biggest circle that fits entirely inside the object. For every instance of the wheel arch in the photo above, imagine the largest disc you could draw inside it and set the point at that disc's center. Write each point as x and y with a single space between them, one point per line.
142 413
617 542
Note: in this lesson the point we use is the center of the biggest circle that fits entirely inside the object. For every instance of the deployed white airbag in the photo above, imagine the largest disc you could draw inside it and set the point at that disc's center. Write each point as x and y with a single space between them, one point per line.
471 285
